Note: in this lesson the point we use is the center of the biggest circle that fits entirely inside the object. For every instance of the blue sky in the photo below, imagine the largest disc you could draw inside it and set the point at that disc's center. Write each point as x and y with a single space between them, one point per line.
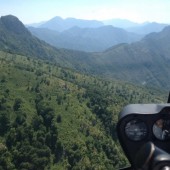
32 11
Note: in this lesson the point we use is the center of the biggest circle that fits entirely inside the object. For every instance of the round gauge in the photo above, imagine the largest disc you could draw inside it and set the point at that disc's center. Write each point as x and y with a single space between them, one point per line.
136 130
161 129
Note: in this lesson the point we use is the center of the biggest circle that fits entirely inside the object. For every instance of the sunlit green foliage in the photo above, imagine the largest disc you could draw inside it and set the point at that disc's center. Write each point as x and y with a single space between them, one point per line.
55 118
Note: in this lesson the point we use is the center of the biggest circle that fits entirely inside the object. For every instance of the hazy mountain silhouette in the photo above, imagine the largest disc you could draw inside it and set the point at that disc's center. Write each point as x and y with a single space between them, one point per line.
59 24
147 28
86 39
144 62
121 23
92 35
138 28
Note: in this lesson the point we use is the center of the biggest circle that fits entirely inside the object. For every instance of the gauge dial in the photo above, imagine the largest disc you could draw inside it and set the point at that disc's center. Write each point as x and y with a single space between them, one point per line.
136 130
161 129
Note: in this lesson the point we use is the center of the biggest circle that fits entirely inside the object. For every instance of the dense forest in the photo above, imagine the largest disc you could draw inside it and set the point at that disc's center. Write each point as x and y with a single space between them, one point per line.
56 118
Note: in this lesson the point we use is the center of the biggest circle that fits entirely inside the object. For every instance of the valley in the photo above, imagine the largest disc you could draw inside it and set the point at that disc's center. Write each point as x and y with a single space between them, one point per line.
59 107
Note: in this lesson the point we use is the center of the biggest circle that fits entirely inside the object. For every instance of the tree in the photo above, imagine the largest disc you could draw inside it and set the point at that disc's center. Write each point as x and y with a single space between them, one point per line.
17 104
5 158
4 122
37 122
21 118
59 118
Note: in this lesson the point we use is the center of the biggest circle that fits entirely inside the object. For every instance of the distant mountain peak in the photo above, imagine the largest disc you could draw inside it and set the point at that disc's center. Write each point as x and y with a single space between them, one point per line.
122 23
56 18
59 24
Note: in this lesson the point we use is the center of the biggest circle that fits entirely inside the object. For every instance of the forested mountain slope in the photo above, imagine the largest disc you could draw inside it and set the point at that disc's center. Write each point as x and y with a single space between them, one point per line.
145 62
55 118
15 38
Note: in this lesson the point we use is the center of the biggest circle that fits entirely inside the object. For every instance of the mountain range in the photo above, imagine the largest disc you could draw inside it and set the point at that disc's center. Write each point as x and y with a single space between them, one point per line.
144 62
91 35
59 108
86 39
15 38
138 28
147 28
59 24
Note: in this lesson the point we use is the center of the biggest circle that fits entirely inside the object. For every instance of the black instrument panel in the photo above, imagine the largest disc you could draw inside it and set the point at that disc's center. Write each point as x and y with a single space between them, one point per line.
136 130
139 124
161 129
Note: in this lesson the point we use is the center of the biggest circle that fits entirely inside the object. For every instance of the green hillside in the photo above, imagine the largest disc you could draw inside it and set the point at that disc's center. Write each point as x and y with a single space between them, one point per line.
54 113
56 118
145 62
136 63
15 38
